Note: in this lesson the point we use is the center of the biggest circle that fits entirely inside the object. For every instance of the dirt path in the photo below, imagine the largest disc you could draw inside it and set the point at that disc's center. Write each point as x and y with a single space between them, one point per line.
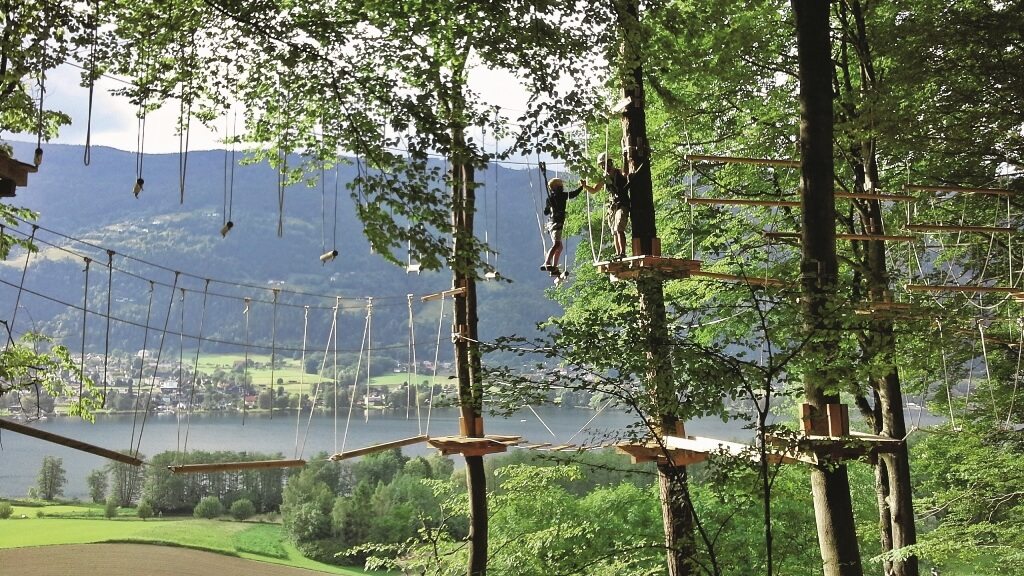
132 560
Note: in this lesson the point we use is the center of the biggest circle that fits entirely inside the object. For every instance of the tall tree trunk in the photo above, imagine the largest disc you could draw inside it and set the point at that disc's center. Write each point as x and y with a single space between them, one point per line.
833 507
467 349
677 511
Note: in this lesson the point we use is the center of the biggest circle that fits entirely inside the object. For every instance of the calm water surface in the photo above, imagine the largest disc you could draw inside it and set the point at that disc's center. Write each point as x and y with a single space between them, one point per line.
21 456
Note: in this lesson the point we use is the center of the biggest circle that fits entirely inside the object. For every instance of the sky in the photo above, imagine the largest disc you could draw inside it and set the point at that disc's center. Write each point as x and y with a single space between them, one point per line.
114 123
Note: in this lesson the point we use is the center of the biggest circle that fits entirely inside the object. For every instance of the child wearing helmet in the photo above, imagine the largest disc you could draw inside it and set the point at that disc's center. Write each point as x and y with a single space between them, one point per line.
618 201
554 209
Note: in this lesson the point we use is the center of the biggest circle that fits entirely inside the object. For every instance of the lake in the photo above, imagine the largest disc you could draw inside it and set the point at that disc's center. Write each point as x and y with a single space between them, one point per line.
22 456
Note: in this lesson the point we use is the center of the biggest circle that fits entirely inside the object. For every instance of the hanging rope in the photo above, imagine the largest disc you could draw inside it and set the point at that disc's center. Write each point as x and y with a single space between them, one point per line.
85 315
185 120
332 335
355 382
273 352
21 284
302 380
1016 373
140 147
195 371
988 373
245 367
433 376
537 208
156 369
106 336
91 73
41 123
229 176
142 365
410 373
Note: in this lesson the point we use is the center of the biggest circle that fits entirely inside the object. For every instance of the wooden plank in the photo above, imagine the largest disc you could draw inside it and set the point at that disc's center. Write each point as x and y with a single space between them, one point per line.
960 288
439 295
742 202
749 280
843 236
742 160
471 446
960 189
953 228
378 448
235 466
875 196
68 442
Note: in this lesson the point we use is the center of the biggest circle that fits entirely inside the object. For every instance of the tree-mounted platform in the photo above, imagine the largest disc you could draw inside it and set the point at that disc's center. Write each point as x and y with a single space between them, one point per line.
635 266
882 307
827 438
473 446
234 466
68 442
687 450
962 288
13 174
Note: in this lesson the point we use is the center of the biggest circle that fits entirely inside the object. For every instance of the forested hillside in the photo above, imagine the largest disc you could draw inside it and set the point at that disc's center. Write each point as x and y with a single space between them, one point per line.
94 204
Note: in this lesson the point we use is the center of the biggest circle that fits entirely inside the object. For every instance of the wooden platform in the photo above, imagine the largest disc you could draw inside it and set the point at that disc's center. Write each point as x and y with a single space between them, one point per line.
634 266
875 196
960 288
822 450
473 446
687 450
68 442
235 466
13 174
742 160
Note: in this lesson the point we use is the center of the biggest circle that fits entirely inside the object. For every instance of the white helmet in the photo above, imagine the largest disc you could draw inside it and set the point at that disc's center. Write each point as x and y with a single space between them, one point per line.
602 158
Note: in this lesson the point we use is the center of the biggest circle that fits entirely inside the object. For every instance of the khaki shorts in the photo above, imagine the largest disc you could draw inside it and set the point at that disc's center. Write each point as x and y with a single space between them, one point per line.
617 219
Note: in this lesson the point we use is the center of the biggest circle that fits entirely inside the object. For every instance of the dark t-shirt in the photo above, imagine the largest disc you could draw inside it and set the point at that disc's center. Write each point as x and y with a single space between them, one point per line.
556 204
618 190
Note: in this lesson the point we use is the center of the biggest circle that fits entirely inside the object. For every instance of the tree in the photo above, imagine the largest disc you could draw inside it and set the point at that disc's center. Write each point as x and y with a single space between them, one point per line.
144 510
97 482
51 479
242 509
125 482
209 507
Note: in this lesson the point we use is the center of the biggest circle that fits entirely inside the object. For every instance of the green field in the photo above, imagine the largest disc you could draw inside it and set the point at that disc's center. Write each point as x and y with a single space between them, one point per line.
254 541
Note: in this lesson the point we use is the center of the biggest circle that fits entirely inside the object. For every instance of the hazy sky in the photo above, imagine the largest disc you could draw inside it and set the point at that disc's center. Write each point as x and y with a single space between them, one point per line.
114 123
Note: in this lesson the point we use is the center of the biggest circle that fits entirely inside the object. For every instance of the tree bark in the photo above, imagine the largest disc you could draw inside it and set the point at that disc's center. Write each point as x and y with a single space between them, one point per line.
833 506
467 349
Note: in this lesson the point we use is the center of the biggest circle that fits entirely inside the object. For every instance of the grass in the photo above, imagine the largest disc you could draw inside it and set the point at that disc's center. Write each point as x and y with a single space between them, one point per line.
262 542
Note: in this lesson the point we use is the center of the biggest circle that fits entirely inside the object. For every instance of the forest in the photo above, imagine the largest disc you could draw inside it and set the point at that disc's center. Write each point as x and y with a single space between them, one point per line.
824 203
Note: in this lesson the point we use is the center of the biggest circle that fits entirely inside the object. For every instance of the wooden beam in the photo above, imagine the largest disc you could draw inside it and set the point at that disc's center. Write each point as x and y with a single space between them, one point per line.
234 466
439 295
860 237
742 202
741 160
959 288
953 228
878 197
378 448
748 280
960 189
68 442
